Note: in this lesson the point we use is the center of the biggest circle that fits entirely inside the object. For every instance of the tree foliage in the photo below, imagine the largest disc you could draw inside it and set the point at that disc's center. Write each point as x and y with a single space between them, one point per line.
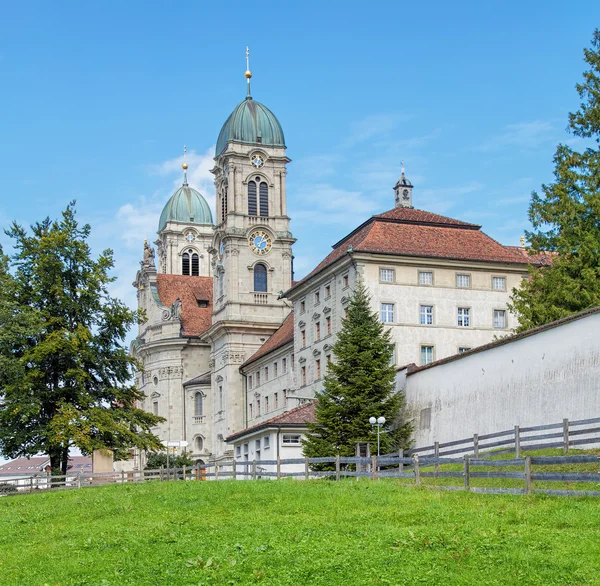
359 385
156 460
65 372
566 218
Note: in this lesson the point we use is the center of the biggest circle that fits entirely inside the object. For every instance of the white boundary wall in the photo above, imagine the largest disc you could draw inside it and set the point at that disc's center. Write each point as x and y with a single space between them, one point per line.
538 379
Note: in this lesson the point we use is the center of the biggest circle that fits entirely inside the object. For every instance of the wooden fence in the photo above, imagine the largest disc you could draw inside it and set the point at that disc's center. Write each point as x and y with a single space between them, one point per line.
582 432
414 465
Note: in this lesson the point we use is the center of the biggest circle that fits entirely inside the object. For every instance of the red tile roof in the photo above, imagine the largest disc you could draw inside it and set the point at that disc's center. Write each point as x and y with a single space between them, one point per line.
280 337
294 417
410 232
190 291
38 463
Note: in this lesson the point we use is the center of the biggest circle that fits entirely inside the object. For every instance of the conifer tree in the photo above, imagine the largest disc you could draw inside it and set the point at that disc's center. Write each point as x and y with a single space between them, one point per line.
65 372
566 219
359 385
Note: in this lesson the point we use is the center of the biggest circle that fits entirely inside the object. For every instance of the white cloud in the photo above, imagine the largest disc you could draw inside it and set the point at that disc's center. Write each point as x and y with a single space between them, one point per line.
524 135
372 126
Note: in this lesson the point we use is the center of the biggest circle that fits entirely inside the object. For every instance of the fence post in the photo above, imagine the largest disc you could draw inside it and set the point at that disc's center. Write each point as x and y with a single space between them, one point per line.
527 474
467 472
78 481
216 470
184 474
161 473
517 442
253 469
374 467
417 470
306 468
436 451
233 470
122 476
476 445
401 464
278 467
565 436
337 467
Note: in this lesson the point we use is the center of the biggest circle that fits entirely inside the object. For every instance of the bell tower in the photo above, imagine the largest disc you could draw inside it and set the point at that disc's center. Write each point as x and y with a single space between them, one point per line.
403 192
252 249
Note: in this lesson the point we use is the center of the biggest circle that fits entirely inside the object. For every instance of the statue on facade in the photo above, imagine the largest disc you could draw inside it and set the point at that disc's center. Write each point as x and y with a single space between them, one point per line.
148 261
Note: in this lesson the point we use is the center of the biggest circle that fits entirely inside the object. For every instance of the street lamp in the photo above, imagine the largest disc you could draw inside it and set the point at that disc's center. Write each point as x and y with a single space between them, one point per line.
378 422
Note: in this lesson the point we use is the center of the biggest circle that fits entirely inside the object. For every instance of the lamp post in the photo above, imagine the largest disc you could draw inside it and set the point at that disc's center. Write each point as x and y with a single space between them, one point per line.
377 422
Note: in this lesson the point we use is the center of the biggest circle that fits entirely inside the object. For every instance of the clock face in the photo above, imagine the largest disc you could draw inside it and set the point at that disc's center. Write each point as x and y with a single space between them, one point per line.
257 160
260 242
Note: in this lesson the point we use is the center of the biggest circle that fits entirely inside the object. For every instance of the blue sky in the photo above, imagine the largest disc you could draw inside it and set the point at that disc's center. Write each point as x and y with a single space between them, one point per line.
98 99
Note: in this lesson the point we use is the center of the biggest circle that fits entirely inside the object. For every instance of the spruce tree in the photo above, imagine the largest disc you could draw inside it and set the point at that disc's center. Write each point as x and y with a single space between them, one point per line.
359 384
566 219
65 371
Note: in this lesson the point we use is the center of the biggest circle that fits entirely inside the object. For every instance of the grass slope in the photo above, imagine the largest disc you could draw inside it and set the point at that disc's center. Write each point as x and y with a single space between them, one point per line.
290 532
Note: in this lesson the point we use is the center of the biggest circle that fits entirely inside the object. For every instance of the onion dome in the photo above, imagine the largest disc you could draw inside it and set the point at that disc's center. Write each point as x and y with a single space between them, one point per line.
251 123
186 206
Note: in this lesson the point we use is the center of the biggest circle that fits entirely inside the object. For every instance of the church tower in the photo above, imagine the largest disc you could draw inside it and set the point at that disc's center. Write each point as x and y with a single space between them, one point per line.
403 192
251 254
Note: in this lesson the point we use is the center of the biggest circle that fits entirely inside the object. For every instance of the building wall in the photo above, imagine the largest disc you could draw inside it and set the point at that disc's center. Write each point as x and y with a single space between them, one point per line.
540 379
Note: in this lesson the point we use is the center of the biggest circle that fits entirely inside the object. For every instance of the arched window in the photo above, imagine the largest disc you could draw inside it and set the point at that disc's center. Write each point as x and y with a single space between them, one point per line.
260 278
264 199
198 406
224 204
185 264
195 265
252 207
199 443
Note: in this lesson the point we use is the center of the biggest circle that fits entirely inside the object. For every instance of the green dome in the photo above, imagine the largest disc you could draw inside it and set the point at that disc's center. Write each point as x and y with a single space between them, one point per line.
186 206
251 123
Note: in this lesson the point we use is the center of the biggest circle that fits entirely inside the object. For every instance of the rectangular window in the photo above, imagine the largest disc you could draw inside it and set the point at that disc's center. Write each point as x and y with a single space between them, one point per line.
274 368
386 275
221 398
499 283
425 278
463 349
245 449
258 378
291 439
284 398
293 361
303 336
426 315
317 331
327 291
155 407
238 451
317 298
257 444
251 414
266 442
258 407
250 382
499 318
387 312
345 281
464 317
284 365
276 400
303 375
328 322
266 373
302 306
318 369
426 354
463 281
266 404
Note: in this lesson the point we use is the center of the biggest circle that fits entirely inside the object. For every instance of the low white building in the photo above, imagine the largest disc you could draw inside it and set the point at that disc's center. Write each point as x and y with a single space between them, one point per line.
537 377
278 438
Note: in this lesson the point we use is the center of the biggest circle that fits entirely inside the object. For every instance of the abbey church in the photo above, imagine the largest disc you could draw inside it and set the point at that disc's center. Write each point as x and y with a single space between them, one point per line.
232 343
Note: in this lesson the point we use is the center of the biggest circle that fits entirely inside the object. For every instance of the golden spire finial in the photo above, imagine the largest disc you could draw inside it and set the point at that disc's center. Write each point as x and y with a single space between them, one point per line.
248 73
522 241
184 166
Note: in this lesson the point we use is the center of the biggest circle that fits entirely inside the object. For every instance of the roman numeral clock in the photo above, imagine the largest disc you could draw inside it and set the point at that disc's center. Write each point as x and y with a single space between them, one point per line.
260 242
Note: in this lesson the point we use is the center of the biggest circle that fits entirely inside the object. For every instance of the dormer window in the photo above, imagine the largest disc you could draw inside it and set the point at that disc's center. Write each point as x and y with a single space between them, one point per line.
202 303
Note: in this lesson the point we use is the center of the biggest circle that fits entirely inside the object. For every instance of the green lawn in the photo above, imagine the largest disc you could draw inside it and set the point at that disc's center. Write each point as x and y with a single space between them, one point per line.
295 532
